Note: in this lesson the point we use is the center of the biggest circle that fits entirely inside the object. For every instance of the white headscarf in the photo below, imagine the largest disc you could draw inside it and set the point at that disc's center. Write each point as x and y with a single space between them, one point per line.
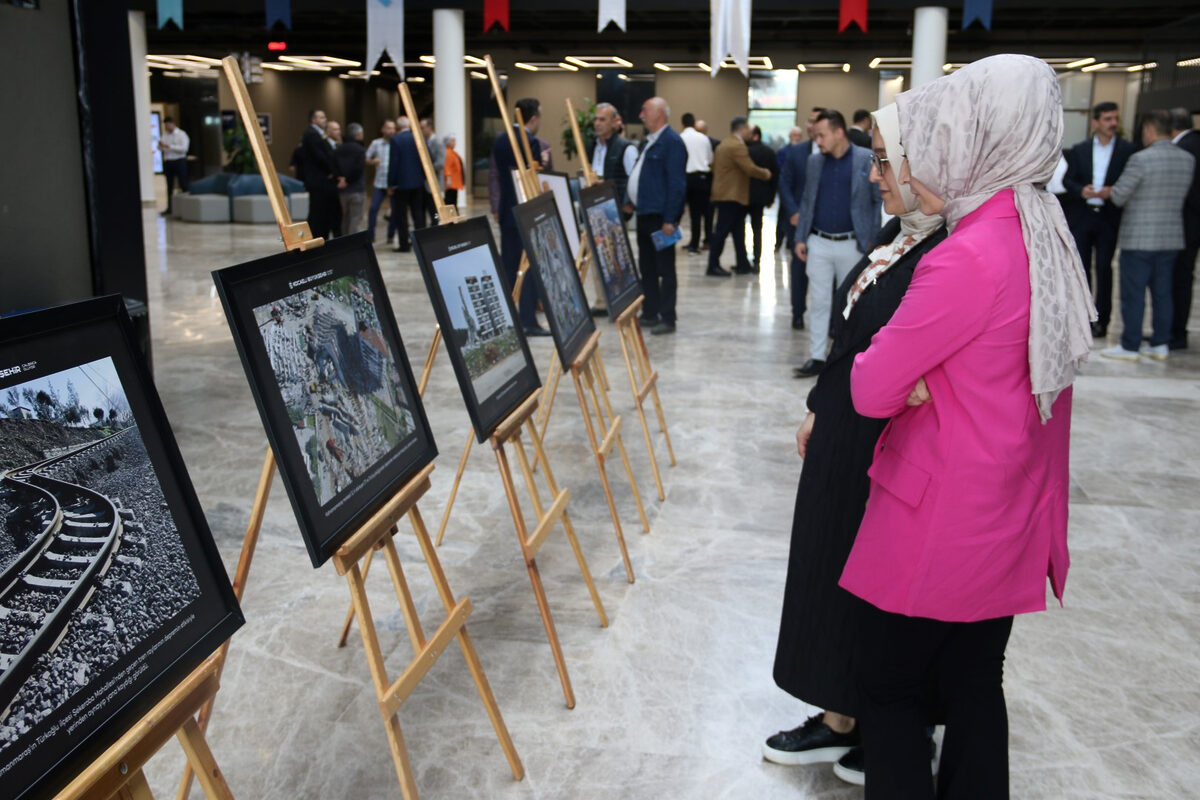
915 227
997 124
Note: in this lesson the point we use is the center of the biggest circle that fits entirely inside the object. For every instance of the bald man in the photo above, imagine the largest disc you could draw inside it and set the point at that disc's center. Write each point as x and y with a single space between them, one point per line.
656 190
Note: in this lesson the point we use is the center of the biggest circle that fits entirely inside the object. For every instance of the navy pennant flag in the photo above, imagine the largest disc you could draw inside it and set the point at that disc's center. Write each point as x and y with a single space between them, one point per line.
279 11
977 10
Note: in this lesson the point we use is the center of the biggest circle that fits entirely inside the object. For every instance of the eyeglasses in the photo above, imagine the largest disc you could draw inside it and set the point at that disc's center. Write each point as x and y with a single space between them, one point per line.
878 161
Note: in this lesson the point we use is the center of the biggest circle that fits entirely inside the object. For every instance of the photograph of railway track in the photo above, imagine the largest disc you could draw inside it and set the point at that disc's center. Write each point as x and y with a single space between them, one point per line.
338 379
91 561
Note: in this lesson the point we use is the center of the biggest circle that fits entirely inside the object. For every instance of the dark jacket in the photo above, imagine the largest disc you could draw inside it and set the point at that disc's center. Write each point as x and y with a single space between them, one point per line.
762 193
503 162
791 177
404 163
865 201
351 159
662 184
317 162
1079 175
1191 207
614 165
859 137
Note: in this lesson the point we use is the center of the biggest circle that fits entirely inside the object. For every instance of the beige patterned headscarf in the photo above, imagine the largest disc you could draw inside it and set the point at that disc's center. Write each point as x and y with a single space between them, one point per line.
997 124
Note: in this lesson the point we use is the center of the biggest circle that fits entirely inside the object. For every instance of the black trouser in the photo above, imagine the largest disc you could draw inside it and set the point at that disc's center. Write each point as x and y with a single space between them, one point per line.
1093 230
175 170
658 270
783 229
756 214
799 281
895 658
511 248
1182 280
451 198
731 218
430 209
699 187
324 210
411 201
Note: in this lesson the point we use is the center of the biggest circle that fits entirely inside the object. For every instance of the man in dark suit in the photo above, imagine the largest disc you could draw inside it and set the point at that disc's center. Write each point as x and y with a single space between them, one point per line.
657 189
504 200
1183 278
783 231
1093 166
321 176
406 184
860 130
791 190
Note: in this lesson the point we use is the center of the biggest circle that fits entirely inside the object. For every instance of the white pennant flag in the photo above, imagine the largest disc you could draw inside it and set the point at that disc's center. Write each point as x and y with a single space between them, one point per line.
385 31
611 11
729 27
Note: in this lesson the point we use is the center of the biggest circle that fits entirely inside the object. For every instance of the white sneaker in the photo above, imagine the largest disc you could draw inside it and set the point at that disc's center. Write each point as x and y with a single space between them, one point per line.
1119 353
1158 352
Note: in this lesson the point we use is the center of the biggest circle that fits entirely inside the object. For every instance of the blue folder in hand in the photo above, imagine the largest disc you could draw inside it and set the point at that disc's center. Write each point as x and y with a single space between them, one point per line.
662 241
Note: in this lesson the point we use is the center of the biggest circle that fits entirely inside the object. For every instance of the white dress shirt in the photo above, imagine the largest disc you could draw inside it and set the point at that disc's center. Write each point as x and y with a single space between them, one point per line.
699 150
598 155
1101 156
636 173
380 148
177 143
1175 139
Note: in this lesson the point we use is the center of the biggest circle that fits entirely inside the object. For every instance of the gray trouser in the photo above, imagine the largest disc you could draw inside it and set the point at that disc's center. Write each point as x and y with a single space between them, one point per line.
828 265
352 210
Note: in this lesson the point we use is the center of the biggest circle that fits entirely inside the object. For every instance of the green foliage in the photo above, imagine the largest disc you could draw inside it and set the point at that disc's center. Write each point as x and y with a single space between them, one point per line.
239 156
585 117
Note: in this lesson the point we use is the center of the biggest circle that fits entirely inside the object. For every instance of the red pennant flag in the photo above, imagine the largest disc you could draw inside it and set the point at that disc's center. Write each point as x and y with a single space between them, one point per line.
852 11
496 12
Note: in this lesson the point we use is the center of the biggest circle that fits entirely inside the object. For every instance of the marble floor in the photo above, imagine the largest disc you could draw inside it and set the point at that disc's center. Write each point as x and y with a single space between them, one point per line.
675 697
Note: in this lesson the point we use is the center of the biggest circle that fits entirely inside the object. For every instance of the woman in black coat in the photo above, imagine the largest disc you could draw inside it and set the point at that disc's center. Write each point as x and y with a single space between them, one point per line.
816 635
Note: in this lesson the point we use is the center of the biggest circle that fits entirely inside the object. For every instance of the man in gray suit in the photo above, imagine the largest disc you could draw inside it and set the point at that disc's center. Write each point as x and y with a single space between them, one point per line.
1151 190
838 221
437 154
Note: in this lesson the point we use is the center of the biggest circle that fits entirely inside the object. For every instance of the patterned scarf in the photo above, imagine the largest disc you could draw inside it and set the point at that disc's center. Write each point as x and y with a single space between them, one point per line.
993 125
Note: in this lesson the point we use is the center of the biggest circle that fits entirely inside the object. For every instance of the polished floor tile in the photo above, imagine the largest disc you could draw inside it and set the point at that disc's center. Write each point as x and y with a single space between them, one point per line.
675 696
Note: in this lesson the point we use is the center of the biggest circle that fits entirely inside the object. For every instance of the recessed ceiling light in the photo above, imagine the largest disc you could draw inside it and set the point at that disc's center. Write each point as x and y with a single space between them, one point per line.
598 62
845 67
1188 62
1083 62
1094 67
802 68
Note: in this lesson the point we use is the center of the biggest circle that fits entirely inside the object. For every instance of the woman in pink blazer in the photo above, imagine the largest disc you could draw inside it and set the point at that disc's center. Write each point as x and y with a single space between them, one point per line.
967 514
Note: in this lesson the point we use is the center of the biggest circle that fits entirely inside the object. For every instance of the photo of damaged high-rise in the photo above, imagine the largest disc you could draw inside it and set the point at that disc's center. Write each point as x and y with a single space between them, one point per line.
338 378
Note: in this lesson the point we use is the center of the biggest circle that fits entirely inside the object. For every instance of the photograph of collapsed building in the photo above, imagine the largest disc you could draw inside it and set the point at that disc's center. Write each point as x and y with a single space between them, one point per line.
545 240
338 378
92 565
610 245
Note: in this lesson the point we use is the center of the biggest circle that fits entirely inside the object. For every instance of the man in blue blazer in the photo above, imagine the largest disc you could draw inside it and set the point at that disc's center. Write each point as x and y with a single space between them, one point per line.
791 189
657 188
406 184
839 218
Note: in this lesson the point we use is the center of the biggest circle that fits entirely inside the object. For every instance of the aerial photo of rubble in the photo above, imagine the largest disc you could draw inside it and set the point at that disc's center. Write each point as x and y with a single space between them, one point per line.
338 378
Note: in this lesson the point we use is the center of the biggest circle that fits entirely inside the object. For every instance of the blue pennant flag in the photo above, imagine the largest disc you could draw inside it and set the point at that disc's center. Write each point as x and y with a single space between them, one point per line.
977 10
170 11
279 11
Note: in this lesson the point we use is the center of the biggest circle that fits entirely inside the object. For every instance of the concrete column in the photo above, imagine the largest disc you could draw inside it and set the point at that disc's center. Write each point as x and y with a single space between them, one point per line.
141 103
929 44
450 85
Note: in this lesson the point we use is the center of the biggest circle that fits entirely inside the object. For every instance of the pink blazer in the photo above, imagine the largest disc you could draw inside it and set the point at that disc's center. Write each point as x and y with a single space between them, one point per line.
968 507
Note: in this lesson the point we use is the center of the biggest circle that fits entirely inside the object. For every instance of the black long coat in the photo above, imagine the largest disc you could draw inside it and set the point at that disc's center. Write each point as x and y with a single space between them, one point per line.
816 633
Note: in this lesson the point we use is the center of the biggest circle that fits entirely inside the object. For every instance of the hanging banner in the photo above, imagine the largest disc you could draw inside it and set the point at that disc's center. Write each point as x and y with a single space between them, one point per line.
385 31
729 28
977 10
279 11
852 11
495 12
170 11
611 11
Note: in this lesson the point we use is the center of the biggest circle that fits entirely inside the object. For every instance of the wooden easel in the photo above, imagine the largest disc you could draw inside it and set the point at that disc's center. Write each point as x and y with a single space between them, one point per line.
376 534
117 773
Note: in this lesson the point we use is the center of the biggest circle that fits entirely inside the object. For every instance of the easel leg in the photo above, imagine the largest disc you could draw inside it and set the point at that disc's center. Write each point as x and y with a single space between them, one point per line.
403 596
644 363
427 370
637 495
203 763
350 611
468 649
458 476
553 375
638 403
136 788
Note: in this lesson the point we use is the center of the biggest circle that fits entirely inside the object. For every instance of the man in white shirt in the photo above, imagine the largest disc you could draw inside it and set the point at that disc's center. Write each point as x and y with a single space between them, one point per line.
377 155
699 181
174 144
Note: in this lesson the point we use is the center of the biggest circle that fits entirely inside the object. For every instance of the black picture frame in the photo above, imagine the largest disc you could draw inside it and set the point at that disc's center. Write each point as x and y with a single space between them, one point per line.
610 246
105 553
558 183
329 373
480 330
546 245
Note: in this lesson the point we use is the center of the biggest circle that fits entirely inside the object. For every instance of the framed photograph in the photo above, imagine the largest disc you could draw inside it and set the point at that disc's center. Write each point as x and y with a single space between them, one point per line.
475 310
111 588
610 244
554 269
560 184
332 382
